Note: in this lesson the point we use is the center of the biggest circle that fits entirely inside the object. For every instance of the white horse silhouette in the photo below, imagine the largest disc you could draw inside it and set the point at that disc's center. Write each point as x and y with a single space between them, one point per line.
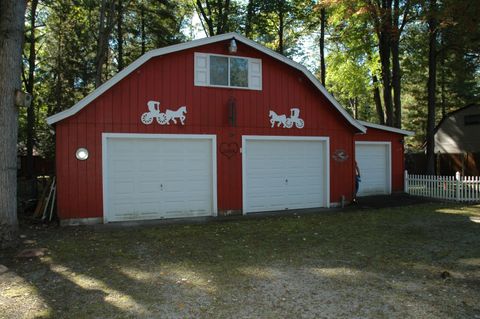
173 115
280 119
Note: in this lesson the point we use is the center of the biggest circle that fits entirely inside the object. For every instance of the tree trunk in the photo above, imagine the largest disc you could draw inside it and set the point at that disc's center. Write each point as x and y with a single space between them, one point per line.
351 107
323 21
142 27
100 57
280 48
106 13
396 76
206 15
224 11
249 18
442 78
442 89
215 15
120 34
386 79
383 26
58 80
432 78
378 100
12 15
29 87
384 50
396 84
354 107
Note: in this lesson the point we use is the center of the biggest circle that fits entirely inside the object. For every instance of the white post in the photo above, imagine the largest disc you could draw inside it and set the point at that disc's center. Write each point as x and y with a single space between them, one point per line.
457 186
405 181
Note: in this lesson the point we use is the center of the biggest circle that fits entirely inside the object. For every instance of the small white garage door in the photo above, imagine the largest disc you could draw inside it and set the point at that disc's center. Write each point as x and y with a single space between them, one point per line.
373 160
284 173
158 176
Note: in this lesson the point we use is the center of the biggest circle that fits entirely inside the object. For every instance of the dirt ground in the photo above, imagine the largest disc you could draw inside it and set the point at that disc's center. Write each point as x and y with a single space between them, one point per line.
394 200
416 261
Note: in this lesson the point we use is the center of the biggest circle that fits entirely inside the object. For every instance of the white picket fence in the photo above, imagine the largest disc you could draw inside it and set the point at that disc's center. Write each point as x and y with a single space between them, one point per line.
455 188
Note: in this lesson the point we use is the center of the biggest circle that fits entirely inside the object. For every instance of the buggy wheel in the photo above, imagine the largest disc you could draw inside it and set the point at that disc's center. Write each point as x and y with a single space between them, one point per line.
299 123
288 123
162 119
147 118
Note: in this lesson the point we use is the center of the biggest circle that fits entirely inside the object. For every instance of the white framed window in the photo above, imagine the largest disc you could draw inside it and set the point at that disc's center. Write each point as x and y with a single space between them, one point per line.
228 71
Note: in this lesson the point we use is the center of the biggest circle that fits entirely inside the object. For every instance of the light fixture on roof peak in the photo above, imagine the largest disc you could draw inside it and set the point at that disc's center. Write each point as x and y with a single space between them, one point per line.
232 48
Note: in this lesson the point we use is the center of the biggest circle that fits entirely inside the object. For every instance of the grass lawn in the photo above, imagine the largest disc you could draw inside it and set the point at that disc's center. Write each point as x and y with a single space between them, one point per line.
419 261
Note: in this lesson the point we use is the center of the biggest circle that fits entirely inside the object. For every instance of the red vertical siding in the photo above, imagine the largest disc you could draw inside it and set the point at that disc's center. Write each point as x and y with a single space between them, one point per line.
169 79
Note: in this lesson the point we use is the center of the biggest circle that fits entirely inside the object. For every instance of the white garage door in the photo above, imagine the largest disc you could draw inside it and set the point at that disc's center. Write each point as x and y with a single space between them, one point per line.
158 176
284 173
373 159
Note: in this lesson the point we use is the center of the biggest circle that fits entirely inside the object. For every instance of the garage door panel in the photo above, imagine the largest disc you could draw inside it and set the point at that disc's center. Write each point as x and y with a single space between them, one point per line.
260 194
120 188
283 174
149 178
267 181
373 162
122 166
148 187
150 167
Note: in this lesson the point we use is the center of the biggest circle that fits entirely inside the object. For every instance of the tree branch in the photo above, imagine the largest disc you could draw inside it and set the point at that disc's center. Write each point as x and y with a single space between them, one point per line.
205 16
405 17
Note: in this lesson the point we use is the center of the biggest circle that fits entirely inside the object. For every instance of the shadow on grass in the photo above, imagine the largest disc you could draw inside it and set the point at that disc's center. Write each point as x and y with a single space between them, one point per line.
249 267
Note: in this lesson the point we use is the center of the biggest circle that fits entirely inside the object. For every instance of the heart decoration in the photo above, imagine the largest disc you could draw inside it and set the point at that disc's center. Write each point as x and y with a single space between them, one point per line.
229 149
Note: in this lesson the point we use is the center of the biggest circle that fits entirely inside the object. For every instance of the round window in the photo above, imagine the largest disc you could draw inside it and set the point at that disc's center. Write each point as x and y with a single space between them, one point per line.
82 154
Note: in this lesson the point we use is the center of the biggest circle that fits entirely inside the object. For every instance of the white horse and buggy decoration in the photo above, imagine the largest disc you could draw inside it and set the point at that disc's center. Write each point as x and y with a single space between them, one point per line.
287 122
154 112
164 118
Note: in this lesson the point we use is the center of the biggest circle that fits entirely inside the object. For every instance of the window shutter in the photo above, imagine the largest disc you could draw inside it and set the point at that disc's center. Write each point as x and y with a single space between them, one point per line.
201 69
255 74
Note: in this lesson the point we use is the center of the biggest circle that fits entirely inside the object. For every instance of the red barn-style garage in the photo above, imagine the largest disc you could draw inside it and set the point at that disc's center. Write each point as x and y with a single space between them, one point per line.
216 126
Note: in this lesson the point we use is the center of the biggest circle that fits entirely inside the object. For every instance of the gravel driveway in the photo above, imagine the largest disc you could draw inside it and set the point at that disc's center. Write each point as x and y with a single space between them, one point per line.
420 261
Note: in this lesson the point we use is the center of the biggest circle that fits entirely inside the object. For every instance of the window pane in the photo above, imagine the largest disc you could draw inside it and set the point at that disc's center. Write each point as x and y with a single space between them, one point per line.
238 72
218 70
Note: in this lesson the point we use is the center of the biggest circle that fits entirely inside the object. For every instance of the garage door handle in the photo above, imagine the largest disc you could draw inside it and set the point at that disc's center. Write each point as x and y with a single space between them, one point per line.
286 180
161 187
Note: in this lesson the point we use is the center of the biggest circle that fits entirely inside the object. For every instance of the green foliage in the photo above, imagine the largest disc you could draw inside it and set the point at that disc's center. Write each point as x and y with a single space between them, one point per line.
66 41
218 17
415 75
67 32
457 61
164 21
352 59
279 24
349 82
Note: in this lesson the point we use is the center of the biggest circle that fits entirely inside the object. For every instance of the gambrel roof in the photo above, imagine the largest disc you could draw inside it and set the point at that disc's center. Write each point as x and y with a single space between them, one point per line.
197 43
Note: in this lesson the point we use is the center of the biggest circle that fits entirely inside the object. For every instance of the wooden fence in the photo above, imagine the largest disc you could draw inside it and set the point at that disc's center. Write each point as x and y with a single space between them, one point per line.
455 188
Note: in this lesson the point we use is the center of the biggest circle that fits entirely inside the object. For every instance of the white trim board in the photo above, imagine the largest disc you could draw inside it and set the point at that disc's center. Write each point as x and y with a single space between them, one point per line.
387 128
389 159
106 136
196 43
244 149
